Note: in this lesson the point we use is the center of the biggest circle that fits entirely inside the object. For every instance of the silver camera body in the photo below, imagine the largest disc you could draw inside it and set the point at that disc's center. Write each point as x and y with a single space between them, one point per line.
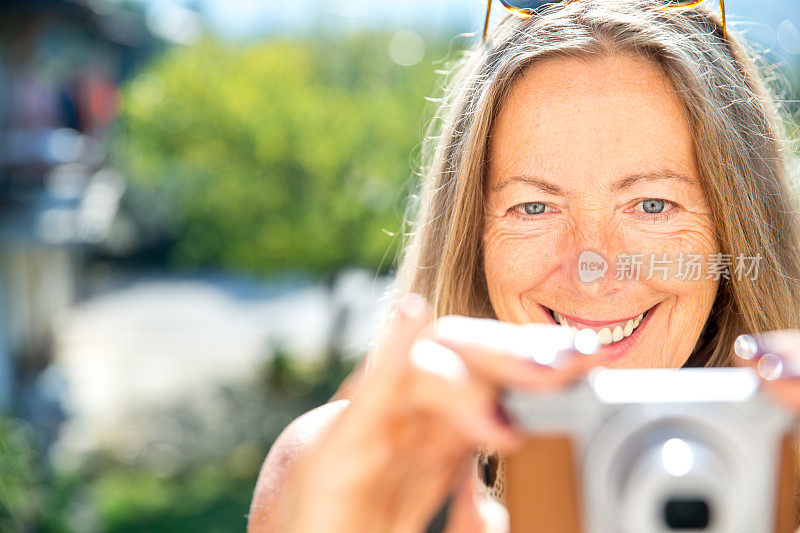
660 450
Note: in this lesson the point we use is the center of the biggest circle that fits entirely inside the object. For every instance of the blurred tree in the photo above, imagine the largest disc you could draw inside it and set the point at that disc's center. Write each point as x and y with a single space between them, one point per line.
279 156
20 476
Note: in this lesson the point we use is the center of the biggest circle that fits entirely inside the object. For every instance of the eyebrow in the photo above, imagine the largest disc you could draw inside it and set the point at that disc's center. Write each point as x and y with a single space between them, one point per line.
619 185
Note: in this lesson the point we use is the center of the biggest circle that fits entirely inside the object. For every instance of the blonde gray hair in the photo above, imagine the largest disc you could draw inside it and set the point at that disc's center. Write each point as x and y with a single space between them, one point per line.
741 140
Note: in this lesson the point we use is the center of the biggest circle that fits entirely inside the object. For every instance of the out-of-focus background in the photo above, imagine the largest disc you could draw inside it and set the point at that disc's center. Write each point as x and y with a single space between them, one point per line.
199 207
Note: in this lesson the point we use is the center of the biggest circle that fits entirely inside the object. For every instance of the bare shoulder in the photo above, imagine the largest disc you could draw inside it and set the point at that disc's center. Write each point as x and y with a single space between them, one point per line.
295 440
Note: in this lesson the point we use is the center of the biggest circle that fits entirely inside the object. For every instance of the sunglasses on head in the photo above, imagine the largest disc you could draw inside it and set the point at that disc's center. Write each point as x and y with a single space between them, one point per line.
526 8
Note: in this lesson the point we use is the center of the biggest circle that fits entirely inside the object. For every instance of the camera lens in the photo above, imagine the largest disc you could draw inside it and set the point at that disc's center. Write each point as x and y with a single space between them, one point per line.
686 513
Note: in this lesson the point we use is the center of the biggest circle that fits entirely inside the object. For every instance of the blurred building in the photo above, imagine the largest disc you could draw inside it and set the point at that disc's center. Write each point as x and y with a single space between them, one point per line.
61 63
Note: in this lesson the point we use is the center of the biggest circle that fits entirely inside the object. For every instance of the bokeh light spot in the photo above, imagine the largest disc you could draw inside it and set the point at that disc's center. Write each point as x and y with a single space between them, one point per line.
406 48
789 37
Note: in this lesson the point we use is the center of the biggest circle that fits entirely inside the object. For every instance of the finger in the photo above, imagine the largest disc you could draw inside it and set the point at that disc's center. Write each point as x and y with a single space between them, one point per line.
532 355
775 356
440 385
388 358
376 391
424 490
411 315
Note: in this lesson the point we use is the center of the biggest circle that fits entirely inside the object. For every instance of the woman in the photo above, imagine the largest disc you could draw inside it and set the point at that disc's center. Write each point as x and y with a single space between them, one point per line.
575 142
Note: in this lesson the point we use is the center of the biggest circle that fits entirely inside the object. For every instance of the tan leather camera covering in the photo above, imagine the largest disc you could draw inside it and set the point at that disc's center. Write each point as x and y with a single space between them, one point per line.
786 512
542 487
543 492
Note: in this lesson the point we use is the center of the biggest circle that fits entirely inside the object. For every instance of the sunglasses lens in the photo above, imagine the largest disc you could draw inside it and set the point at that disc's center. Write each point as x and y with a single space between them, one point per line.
528 5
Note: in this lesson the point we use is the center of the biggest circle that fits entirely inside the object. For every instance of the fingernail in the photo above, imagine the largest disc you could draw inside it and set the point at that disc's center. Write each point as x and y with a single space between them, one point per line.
412 305
501 416
745 347
770 366
777 364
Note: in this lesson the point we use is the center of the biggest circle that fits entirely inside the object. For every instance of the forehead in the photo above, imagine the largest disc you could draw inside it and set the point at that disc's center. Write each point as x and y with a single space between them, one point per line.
591 120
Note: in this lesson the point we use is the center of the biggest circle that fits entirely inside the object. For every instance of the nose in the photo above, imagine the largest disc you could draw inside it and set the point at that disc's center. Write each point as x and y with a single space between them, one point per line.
593 270
592 273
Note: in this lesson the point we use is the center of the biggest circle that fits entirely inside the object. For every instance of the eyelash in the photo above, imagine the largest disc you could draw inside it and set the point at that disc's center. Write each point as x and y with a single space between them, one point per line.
657 217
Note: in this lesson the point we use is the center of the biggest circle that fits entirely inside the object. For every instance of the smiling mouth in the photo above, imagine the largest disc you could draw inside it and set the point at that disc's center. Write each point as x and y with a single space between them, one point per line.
607 333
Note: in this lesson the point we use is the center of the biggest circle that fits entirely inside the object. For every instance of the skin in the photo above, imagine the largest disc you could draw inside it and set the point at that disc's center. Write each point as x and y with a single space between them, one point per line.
566 138
384 459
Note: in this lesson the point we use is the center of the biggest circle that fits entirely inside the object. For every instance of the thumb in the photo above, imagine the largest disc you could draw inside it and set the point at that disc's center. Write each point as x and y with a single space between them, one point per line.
388 358
775 356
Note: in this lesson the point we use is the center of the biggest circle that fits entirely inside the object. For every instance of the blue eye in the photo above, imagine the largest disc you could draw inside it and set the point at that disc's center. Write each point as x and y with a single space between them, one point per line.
533 208
653 206
655 209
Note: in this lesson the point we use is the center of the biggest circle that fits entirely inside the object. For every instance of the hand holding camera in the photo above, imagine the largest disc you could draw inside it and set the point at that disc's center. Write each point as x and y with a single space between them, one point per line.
643 451
623 450
406 442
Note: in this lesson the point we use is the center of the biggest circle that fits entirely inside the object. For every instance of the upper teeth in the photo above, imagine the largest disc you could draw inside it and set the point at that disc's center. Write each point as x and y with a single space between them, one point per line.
608 334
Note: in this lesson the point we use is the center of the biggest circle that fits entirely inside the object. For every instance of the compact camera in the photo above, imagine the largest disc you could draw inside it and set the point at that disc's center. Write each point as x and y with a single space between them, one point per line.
653 451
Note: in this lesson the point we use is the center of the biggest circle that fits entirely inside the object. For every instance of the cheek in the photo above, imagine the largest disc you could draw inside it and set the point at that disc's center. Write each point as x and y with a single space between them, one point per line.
692 235
694 297
514 261
675 258
692 290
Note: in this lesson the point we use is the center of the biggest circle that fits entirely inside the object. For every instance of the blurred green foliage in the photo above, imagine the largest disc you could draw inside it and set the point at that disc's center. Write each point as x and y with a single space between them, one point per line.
20 497
282 155
207 499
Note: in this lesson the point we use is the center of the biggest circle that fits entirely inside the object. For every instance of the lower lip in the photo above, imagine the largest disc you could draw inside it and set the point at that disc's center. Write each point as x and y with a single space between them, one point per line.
615 350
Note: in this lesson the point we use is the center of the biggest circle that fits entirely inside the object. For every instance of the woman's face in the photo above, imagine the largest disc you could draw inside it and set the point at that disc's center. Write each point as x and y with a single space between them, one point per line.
590 161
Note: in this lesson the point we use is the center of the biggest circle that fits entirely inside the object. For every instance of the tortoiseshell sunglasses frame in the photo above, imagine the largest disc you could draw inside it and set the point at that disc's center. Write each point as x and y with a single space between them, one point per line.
528 12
